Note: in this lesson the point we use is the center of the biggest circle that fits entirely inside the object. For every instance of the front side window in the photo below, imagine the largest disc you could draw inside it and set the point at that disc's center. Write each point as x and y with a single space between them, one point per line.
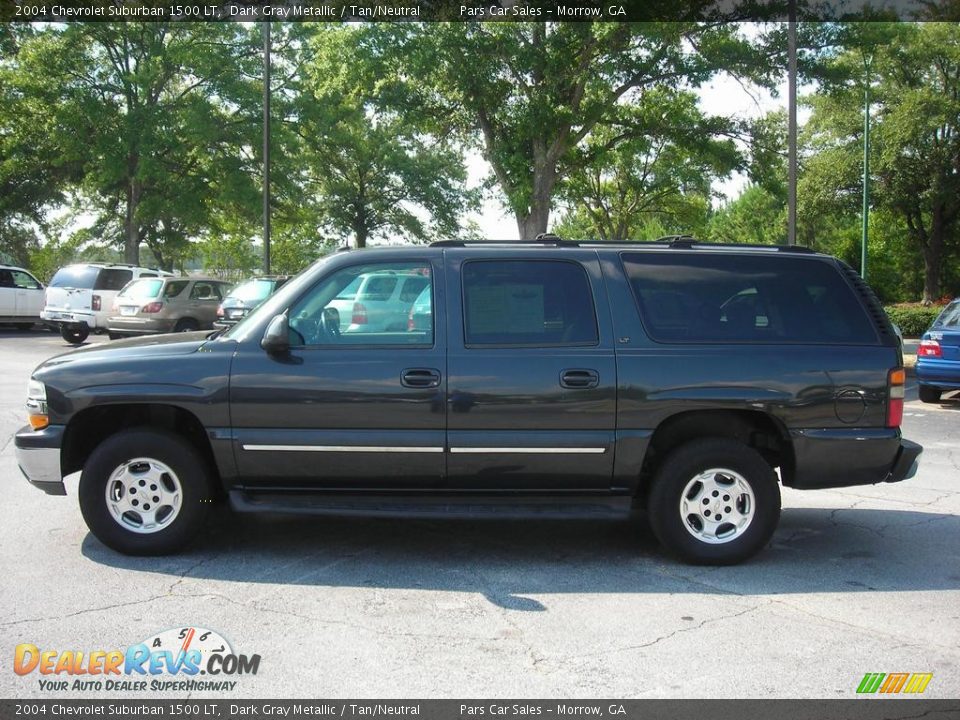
736 298
527 303
359 306
25 280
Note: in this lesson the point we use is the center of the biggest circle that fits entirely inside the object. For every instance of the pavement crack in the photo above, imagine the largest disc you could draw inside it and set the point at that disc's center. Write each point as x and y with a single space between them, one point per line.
87 611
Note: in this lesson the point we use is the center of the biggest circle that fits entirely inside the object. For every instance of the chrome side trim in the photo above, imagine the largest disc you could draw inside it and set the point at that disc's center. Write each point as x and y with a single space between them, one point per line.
534 450
344 448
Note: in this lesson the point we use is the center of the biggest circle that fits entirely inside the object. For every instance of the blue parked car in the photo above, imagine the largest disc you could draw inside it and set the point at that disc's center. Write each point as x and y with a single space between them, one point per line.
938 357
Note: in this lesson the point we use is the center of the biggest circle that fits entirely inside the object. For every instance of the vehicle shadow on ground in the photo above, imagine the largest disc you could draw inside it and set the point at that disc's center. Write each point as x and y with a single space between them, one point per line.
814 550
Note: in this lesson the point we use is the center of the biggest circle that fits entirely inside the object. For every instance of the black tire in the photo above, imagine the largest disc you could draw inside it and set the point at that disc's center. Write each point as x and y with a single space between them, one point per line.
190 471
929 394
679 468
74 334
186 325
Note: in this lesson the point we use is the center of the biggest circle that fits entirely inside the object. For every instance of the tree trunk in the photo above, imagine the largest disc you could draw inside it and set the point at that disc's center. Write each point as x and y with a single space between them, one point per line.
933 259
131 226
535 220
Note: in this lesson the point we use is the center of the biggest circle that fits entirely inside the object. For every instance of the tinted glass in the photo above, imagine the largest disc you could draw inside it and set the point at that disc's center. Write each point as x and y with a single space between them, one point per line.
736 298
412 288
204 291
329 316
6 278
174 288
76 276
950 317
112 279
142 289
528 302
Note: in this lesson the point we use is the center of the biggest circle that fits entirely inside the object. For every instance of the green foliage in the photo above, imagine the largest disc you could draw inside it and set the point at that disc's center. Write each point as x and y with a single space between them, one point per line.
533 93
914 73
913 319
756 217
229 257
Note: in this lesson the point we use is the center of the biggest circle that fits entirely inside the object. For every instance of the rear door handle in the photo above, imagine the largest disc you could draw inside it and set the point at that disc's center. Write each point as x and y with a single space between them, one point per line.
579 379
420 378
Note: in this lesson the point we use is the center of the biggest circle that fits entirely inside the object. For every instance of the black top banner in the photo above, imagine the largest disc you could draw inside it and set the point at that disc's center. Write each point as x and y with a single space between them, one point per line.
475 10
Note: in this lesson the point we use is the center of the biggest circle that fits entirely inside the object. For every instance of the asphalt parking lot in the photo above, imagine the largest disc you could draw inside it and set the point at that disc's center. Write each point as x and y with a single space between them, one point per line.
857 580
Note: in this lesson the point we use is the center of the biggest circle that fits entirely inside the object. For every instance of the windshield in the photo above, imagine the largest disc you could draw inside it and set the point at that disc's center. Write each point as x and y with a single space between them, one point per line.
75 276
141 289
252 290
279 301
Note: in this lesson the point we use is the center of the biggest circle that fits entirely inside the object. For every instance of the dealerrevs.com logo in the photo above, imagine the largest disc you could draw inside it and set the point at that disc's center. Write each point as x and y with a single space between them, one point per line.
188 659
894 683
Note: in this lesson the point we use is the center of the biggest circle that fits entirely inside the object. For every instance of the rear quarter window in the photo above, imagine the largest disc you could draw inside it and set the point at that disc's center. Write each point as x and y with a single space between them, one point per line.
696 298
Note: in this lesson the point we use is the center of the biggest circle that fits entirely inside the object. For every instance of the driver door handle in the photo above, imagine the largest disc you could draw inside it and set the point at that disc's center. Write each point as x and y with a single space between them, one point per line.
420 378
579 379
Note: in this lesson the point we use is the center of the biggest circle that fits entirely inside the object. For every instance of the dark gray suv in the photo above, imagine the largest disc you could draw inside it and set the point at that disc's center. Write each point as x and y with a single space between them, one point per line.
551 379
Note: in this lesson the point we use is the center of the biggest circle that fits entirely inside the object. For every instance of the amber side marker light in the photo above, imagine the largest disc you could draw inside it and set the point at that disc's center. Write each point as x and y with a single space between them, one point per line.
896 382
37 405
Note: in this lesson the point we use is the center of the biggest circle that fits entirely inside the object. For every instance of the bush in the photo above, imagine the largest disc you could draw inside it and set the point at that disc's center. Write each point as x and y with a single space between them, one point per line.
913 318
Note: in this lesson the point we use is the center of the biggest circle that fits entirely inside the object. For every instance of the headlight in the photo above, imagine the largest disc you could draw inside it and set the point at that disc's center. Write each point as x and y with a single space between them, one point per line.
37 405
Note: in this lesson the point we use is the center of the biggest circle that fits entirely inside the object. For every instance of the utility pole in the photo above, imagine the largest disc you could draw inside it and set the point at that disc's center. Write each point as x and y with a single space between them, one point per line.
867 60
792 125
266 147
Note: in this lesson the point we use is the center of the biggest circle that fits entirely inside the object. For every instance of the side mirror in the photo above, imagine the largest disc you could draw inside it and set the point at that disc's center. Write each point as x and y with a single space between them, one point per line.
276 340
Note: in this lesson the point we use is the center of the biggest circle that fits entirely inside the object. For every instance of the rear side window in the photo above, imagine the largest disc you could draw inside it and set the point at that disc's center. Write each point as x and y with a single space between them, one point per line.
112 279
735 298
527 302
76 276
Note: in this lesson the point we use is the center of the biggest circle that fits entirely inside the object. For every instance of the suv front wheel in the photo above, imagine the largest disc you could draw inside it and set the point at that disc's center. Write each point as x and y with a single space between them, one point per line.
145 492
714 502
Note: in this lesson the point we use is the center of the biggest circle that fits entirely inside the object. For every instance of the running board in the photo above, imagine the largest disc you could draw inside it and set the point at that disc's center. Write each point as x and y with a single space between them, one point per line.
433 506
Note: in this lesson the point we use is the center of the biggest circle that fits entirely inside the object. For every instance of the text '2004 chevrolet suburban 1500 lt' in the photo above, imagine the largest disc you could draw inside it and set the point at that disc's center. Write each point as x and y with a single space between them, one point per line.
532 379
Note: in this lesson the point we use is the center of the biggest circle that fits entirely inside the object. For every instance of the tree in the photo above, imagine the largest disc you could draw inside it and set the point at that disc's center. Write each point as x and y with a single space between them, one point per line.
370 172
915 156
157 115
533 92
662 175
756 217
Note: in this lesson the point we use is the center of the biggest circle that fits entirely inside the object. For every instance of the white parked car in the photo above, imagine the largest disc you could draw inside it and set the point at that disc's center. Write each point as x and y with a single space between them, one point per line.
80 297
21 297
378 302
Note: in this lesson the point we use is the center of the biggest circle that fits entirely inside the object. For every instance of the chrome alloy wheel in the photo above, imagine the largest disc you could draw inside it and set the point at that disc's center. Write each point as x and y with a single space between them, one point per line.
144 495
717 506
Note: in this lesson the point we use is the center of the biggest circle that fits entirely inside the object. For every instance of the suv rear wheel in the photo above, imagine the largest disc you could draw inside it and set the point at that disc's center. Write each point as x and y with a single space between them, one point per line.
74 334
929 394
145 492
714 502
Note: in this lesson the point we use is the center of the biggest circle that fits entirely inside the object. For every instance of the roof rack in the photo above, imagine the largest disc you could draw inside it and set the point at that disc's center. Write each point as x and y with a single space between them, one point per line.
673 242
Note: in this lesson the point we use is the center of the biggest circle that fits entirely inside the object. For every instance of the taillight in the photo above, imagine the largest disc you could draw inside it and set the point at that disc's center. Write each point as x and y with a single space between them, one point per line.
929 348
153 307
896 379
359 314
95 302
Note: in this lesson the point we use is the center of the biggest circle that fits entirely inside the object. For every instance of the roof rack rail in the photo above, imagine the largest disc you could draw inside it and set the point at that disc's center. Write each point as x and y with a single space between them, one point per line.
673 242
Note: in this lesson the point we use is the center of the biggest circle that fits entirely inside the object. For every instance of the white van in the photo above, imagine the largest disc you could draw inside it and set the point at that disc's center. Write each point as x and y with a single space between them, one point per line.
21 297
80 297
